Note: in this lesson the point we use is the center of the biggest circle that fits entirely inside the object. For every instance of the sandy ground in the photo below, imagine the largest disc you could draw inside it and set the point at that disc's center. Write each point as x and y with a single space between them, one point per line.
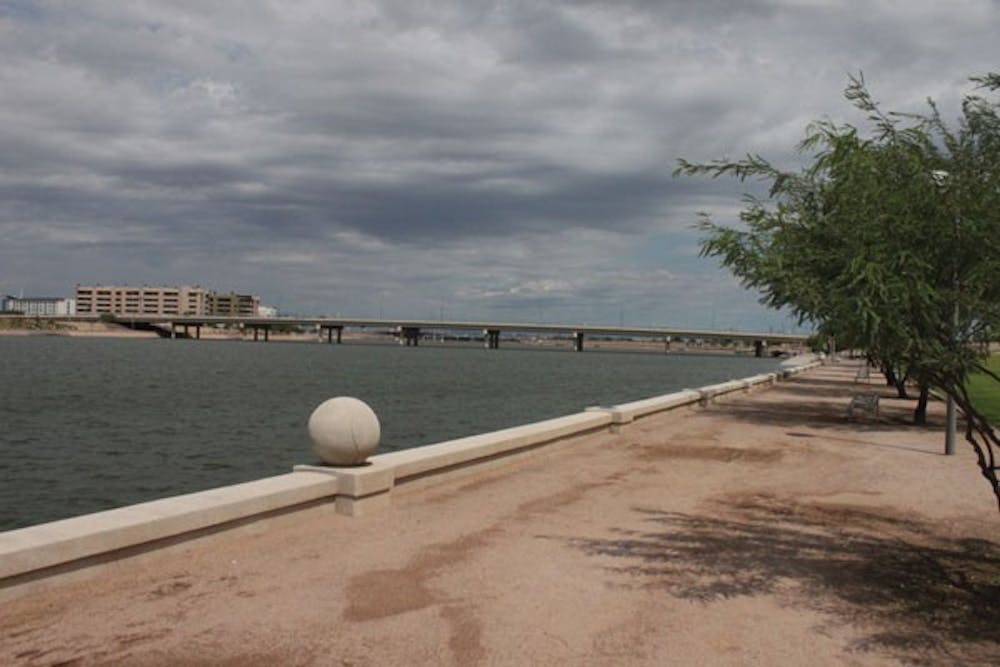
765 530
75 329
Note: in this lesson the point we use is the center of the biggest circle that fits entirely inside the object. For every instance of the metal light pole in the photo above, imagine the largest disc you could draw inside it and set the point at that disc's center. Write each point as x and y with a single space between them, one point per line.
949 436
950 420
940 178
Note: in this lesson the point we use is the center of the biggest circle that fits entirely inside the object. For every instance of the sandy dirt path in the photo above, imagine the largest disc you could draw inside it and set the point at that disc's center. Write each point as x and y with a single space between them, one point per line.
762 530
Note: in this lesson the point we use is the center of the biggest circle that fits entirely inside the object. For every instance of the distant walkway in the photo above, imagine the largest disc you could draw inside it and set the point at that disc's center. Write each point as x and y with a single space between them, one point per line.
766 530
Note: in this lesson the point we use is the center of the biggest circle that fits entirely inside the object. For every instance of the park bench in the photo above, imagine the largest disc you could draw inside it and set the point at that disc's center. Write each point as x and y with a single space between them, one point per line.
865 404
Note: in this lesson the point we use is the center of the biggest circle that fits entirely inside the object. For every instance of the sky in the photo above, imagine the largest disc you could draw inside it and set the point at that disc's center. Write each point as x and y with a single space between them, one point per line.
458 160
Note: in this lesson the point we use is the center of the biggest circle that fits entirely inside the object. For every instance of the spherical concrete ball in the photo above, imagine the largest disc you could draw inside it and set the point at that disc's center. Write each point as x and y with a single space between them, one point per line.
344 431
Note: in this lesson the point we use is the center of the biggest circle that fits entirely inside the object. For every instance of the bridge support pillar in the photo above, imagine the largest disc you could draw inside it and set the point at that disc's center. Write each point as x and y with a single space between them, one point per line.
197 332
267 333
758 348
329 334
409 336
491 338
186 333
578 341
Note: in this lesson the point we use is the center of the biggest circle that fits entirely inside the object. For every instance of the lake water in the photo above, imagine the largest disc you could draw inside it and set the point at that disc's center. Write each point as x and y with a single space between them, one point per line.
87 424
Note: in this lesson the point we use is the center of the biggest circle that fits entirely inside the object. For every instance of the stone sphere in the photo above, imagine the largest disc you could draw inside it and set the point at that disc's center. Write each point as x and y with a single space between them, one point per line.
344 431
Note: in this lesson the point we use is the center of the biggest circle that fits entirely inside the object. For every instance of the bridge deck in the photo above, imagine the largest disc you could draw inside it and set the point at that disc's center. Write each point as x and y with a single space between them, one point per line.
456 325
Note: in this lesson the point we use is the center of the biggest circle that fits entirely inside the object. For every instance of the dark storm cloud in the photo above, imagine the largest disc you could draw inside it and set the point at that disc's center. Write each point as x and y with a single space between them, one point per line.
199 175
430 210
464 155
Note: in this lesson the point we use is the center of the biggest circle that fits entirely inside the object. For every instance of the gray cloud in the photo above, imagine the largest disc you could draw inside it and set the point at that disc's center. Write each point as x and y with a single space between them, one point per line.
409 157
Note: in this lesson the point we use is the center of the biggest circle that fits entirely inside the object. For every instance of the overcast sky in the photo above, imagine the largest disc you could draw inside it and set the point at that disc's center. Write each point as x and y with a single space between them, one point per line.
471 160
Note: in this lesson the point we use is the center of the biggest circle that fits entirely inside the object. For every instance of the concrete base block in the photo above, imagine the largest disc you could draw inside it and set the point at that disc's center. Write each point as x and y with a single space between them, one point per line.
360 489
351 506
357 481
619 417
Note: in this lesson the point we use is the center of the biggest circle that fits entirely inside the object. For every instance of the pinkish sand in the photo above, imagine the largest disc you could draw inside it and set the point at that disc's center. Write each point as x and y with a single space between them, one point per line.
763 530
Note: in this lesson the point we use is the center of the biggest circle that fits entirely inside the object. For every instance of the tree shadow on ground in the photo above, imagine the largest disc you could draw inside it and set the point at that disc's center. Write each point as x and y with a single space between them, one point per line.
841 386
914 594
819 414
812 382
866 443
842 392
816 413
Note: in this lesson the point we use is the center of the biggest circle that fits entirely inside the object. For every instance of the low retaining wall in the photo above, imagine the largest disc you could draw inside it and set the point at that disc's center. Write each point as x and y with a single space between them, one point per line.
31 553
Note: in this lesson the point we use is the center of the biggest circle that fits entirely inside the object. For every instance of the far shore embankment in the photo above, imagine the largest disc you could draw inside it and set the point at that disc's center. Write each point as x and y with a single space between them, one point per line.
762 528
28 326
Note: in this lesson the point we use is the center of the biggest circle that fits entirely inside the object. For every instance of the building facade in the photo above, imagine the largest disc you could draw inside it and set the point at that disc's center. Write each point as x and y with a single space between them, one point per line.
145 300
231 304
160 300
39 306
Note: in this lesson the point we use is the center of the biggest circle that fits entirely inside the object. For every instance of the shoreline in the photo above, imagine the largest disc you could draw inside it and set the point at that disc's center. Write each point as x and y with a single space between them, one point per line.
69 456
41 551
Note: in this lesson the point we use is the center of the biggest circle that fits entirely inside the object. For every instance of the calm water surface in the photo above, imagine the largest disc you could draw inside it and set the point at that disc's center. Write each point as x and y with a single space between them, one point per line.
87 424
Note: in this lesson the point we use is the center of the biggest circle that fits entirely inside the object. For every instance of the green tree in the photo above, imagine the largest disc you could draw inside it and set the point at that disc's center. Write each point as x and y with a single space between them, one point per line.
887 241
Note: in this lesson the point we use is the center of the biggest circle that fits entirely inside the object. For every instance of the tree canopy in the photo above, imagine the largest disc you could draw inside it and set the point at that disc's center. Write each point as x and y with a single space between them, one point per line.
887 240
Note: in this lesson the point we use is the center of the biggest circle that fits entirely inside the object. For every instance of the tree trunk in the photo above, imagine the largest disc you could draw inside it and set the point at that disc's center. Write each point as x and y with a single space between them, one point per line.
901 388
893 380
920 413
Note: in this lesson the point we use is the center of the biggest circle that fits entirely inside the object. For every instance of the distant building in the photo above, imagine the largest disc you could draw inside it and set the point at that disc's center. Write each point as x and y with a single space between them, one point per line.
231 304
161 300
145 300
39 306
267 311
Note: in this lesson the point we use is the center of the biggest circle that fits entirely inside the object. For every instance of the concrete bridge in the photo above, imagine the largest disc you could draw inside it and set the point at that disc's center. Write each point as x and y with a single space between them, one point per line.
411 331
